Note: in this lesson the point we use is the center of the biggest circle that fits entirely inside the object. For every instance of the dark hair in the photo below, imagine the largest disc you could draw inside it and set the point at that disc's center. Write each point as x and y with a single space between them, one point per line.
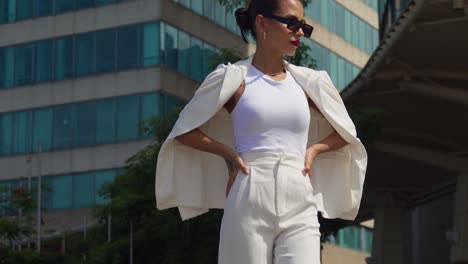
245 17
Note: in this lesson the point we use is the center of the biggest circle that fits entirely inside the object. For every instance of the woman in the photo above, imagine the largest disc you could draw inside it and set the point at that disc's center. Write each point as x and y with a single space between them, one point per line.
289 145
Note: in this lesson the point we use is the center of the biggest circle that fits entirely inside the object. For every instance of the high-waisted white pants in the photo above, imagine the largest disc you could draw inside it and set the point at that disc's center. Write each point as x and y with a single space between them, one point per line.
270 215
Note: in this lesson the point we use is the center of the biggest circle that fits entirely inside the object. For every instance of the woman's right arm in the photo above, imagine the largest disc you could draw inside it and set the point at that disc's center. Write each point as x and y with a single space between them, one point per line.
199 140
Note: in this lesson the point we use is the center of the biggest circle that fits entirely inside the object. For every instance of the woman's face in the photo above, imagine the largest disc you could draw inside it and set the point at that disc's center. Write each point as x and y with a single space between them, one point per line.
279 38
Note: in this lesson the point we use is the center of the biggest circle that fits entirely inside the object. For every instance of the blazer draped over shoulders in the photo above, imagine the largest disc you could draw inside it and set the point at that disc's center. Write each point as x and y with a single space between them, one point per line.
195 181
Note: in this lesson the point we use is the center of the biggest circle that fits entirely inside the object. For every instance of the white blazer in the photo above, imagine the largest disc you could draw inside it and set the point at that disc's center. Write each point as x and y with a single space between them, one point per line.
195 181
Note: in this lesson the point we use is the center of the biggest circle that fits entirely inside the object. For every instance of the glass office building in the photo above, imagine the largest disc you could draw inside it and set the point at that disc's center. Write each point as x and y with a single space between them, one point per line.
78 76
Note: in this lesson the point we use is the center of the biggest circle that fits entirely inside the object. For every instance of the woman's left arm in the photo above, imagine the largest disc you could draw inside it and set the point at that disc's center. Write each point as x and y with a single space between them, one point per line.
333 142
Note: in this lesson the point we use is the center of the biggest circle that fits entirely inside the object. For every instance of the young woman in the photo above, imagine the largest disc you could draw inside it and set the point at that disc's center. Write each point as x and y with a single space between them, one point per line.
289 145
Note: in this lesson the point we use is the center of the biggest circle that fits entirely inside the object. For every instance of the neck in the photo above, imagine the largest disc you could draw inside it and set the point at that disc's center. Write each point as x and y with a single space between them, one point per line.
268 63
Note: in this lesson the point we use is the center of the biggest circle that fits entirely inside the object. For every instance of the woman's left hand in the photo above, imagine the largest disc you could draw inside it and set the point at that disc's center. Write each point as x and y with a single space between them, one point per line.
311 153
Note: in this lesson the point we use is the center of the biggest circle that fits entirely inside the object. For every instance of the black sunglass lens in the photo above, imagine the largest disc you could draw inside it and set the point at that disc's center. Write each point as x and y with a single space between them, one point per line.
307 30
294 25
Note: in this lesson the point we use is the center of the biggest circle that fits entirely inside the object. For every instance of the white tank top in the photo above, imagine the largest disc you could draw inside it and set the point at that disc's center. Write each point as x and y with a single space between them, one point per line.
271 116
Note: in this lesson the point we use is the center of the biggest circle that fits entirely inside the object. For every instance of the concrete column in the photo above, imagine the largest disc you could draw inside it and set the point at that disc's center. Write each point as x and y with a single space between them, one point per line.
387 246
459 250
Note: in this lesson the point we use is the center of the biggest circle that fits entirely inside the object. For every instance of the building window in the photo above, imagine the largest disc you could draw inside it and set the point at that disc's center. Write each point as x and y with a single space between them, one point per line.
196 63
24 9
151 44
101 178
105 51
22 132
84 54
43 7
6 127
42 129
6 67
83 119
62 127
23 64
127 47
64 5
127 118
43 69
169 46
183 63
64 58
106 121
83 190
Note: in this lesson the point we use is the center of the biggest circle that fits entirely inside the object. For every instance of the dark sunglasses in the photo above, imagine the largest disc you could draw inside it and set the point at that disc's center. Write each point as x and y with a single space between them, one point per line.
294 24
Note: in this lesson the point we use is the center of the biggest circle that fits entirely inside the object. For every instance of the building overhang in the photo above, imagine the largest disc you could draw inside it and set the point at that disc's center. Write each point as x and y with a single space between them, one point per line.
418 77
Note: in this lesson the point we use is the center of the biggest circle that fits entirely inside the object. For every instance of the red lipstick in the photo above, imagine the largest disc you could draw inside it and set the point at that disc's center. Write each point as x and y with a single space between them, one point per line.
295 43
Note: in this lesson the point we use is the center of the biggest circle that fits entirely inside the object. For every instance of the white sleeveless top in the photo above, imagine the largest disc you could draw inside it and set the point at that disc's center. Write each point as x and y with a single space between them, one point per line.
271 116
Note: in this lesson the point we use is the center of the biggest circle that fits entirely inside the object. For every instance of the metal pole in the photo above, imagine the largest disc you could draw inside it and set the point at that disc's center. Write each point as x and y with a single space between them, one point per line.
109 224
85 229
131 243
39 197
20 214
63 243
29 194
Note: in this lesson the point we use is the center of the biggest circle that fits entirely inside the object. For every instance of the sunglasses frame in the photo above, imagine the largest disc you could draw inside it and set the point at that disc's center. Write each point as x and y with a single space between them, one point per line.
288 20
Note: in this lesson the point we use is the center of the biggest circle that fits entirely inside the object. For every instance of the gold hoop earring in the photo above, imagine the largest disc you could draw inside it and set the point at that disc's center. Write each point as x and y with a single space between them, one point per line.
264 35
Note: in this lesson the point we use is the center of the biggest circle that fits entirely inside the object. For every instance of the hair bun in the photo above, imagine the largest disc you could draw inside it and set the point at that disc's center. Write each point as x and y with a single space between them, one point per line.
242 18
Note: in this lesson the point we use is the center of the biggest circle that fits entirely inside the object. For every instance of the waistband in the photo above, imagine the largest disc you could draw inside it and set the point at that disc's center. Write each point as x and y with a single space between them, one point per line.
272 158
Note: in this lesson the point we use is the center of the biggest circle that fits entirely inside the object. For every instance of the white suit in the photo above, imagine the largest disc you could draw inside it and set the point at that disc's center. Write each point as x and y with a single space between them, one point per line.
195 181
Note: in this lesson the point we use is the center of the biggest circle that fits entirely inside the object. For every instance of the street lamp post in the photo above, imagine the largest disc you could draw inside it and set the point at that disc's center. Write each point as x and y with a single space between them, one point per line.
39 198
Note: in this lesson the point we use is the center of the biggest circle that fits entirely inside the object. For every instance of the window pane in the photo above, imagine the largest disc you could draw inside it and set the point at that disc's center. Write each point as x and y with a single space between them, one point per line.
6 67
103 177
127 118
105 51
61 192
105 121
150 106
63 58
85 54
151 43
23 64
333 67
22 132
220 14
170 47
42 127
64 5
208 52
24 9
325 21
341 73
62 127
43 61
196 63
43 7
197 6
102 2
171 102
83 190
83 124
184 54
127 43
208 9
5 134
84 3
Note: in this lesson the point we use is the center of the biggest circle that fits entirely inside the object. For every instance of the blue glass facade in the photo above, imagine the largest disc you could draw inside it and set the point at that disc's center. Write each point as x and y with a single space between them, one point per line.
17 10
328 13
357 238
116 49
70 191
90 123
345 24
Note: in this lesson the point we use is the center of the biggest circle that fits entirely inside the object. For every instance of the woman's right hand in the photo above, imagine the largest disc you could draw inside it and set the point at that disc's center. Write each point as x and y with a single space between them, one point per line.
234 163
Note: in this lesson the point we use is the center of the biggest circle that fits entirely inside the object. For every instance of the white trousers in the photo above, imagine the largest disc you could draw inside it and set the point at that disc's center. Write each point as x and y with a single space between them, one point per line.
270 215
